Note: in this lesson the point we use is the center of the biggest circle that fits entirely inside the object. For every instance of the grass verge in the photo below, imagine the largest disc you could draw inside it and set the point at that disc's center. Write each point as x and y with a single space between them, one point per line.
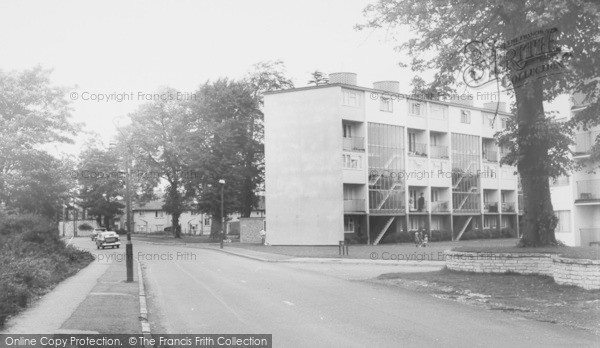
534 297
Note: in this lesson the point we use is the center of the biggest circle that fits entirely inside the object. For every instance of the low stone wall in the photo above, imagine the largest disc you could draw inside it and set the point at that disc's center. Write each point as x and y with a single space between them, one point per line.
582 273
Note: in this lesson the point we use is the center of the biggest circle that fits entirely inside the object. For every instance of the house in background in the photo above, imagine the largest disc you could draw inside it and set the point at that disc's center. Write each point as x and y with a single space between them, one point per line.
150 218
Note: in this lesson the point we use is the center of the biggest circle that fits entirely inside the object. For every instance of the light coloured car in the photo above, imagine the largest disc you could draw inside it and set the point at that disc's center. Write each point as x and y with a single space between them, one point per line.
107 239
97 231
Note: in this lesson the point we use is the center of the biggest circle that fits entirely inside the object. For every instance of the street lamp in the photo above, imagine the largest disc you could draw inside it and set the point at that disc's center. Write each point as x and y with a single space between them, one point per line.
128 246
222 182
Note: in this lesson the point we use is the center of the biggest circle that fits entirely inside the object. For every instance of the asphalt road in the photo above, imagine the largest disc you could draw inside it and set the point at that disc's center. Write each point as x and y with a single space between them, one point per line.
199 291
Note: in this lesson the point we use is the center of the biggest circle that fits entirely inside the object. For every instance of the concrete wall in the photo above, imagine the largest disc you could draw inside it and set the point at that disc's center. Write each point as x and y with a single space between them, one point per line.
578 272
303 175
250 230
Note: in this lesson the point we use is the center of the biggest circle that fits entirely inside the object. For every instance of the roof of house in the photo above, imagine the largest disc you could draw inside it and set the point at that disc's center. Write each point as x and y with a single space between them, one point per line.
158 203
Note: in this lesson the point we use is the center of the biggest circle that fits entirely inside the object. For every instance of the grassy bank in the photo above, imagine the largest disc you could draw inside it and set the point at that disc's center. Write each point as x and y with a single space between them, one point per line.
33 260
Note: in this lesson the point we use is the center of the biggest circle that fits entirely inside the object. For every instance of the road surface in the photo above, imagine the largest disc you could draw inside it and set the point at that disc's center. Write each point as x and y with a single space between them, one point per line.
198 291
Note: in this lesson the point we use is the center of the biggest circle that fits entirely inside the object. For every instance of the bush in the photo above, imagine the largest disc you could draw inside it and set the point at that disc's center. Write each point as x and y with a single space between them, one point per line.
355 238
32 260
85 227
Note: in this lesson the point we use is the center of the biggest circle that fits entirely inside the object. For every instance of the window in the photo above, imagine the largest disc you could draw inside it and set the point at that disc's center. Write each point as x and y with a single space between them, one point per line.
486 196
348 193
504 122
412 141
465 116
206 221
350 98
348 225
488 120
434 139
352 161
489 222
438 111
141 213
503 195
385 104
415 108
434 195
347 131
564 221
158 214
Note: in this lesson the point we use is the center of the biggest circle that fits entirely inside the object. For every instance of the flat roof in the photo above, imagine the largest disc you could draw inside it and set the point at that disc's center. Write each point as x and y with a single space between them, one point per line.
381 91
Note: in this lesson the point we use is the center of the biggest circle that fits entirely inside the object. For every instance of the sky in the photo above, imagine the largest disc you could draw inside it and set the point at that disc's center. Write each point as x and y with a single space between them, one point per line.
136 47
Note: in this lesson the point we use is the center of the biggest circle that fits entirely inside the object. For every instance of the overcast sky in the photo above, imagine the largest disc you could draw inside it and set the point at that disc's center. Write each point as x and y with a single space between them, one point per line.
106 47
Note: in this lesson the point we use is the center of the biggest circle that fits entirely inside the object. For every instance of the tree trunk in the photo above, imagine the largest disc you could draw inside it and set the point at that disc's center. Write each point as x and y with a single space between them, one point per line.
539 220
215 226
175 225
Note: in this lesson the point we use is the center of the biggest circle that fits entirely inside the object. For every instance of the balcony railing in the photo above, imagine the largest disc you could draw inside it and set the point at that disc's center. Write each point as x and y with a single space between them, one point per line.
490 156
508 207
437 207
588 190
354 144
490 207
354 205
584 141
417 149
439 151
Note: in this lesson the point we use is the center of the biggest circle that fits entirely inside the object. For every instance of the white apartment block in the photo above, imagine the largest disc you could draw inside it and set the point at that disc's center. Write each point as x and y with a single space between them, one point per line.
576 198
344 160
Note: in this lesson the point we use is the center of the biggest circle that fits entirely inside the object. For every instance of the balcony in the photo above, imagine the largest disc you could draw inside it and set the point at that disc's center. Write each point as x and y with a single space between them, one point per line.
490 156
354 206
490 207
353 144
417 149
508 207
588 192
584 142
440 207
439 151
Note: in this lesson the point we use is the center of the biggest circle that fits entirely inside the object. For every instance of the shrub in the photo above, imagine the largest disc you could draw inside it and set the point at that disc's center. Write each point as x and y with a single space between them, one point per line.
32 260
85 227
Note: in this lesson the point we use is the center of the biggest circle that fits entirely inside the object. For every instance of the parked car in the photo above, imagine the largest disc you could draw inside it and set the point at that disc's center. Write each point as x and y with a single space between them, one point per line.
96 231
107 239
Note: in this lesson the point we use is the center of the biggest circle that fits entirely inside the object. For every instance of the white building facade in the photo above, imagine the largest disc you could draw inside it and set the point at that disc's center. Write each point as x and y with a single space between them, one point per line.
348 161
576 198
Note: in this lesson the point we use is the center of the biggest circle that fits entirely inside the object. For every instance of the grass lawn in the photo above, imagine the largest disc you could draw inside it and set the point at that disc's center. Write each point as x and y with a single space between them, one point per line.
534 297
592 253
405 251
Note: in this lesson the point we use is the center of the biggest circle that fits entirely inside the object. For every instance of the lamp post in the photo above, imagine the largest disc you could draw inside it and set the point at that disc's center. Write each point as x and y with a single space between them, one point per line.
222 182
128 246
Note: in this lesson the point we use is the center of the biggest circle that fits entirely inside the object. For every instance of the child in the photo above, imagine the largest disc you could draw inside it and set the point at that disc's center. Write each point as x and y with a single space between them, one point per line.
425 240
417 239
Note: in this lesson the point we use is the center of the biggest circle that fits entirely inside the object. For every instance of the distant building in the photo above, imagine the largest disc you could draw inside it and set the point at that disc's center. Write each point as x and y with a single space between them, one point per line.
150 217
576 198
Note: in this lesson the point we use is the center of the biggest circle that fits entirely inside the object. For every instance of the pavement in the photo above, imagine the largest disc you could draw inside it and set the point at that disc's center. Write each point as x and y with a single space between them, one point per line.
95 300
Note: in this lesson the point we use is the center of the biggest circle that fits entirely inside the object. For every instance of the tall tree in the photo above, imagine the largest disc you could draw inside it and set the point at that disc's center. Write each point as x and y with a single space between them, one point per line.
101 184
156 139
33 113
318 78
446 29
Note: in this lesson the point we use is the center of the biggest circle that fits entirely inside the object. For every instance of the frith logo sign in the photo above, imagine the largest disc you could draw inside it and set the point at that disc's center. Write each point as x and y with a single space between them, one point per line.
517 61
532 56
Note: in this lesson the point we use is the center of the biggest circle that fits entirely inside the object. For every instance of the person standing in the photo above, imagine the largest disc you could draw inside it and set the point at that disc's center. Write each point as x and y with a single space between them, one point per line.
421 203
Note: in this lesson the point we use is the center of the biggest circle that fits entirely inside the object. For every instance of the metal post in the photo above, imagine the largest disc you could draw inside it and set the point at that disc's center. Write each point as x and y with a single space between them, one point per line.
222 182
128 246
